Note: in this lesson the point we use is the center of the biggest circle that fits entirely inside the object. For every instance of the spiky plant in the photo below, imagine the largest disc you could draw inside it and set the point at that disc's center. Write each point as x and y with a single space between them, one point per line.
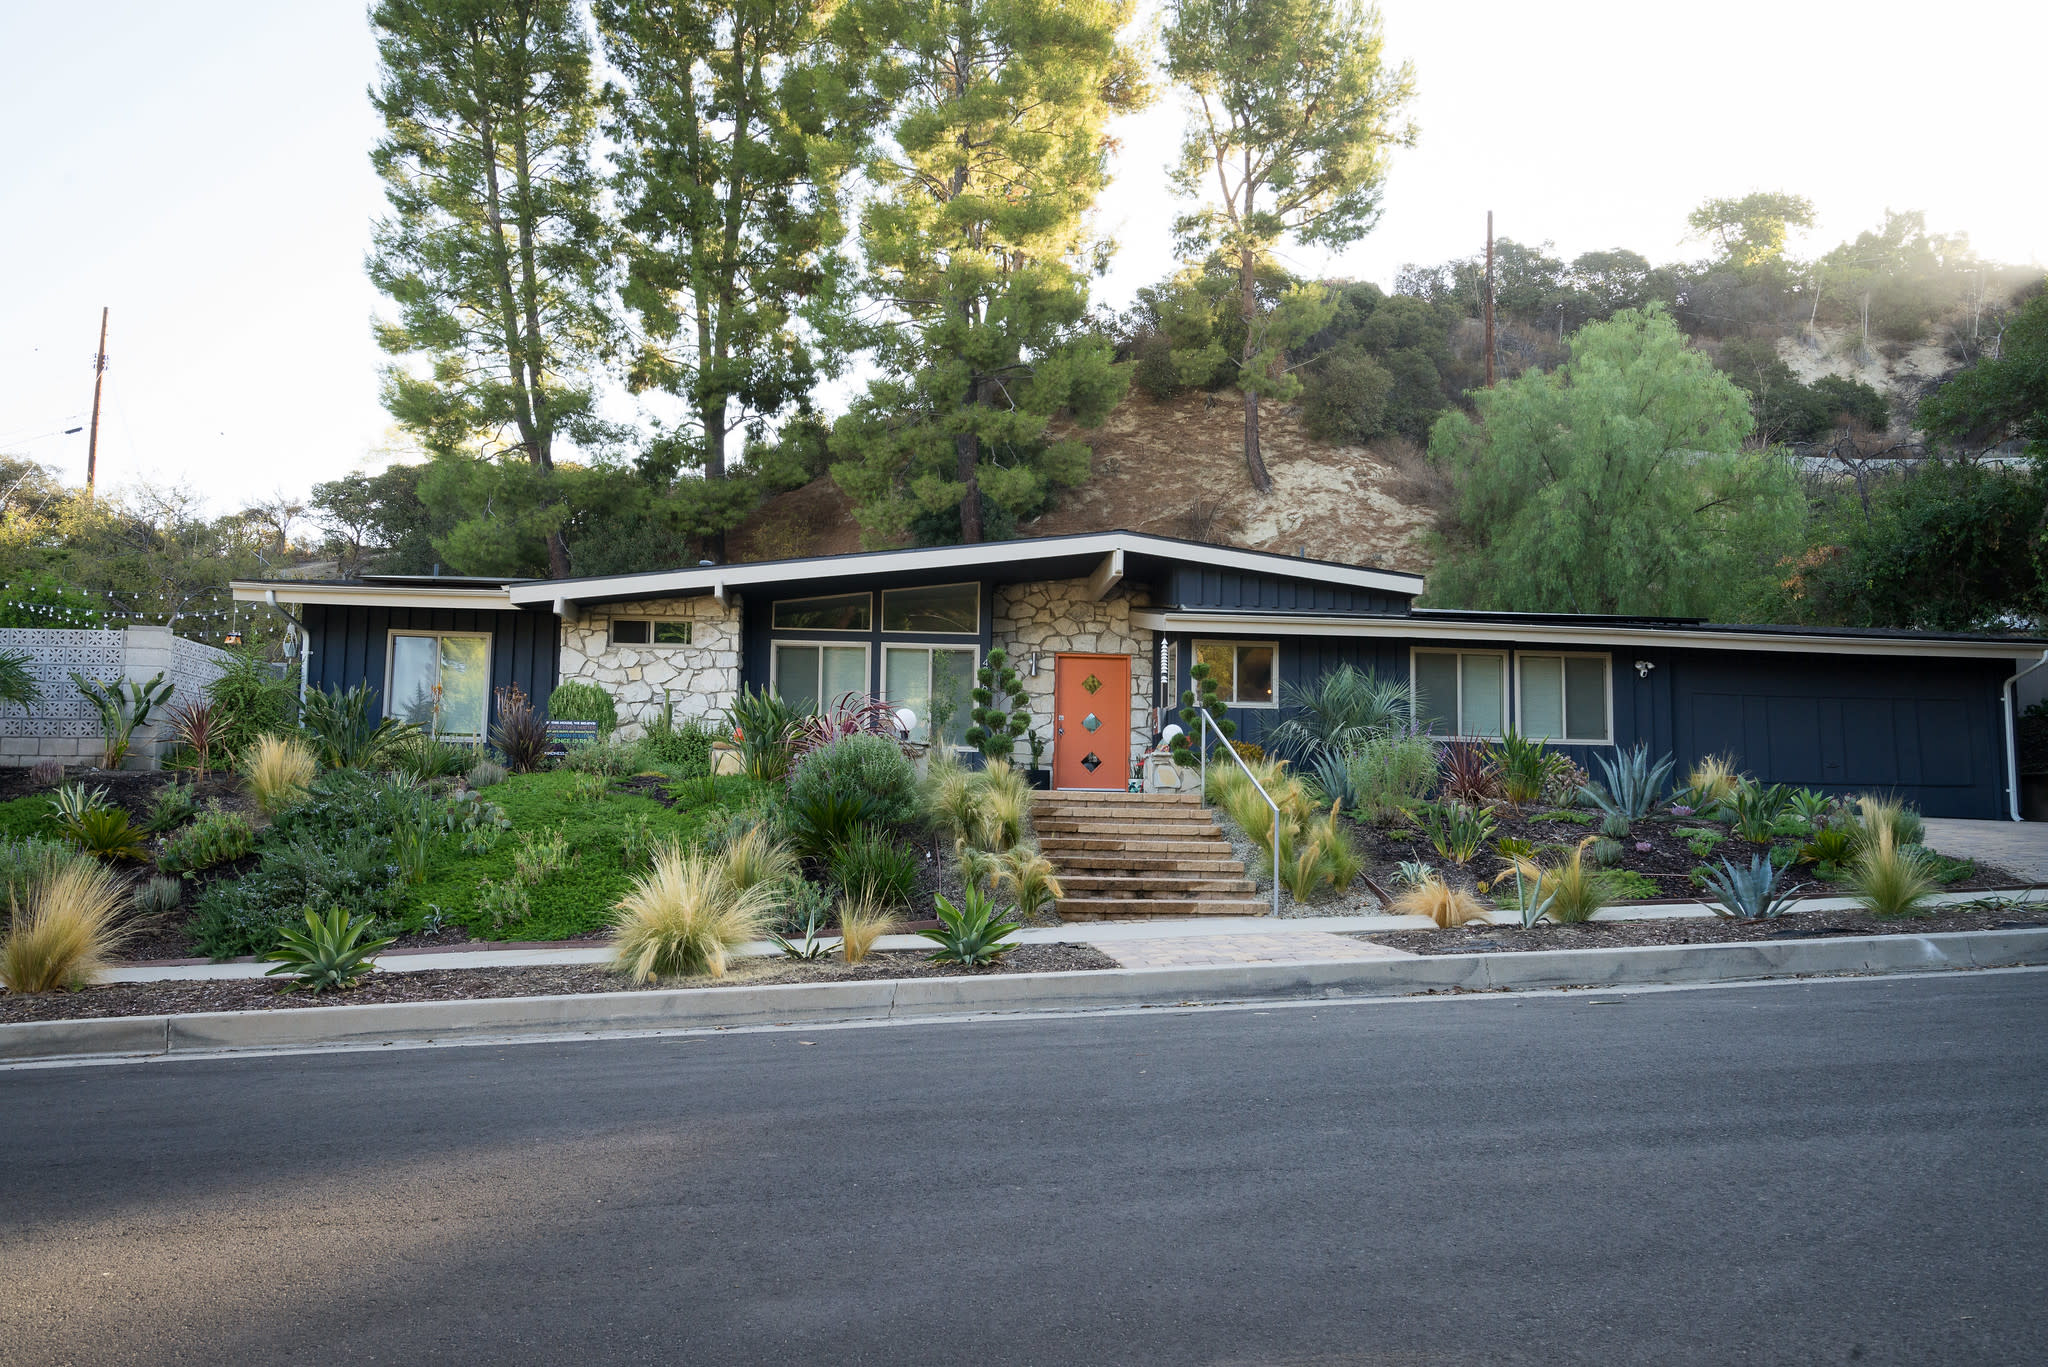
1449 907
333 951
1749 894
682 917
64 932
861 923
1632 784
971 934
1887 878
1030 878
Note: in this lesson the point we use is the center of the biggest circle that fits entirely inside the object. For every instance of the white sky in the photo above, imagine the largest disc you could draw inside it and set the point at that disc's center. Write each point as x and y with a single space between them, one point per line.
202 168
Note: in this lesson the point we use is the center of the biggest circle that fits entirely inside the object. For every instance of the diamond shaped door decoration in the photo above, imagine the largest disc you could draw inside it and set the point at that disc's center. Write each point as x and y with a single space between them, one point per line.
1091 721
1091 683
1090 762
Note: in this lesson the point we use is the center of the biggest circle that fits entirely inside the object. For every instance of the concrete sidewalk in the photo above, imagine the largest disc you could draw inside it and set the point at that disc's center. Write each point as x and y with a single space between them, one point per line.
1268 941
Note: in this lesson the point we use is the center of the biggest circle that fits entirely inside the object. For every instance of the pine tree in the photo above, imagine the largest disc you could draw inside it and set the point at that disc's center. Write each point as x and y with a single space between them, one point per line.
494 251
976 248
1292 116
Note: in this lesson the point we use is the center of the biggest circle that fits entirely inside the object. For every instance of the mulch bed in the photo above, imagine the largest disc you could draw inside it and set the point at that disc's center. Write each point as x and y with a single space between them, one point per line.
1668 861
1700 930
469 984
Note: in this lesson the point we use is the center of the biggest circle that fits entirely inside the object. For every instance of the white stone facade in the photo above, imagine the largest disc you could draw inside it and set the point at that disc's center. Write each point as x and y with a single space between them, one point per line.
1056 615
699 678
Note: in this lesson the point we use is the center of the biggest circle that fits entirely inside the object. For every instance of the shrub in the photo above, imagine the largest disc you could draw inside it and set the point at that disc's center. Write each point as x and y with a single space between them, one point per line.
1002 709
686 749
65 931
519 731
278 770
970 934
1030 878
683 916
874 869
29 861
485 772
1748 894
870 767
860 925
343 733
1522 764
215 837
170 805
45 772
159 897
606 759
1340 711
250 700
765 727
104 832
579 701
1887 878
423 758
1390 774
1455 831
1449 907
329 952
1632 784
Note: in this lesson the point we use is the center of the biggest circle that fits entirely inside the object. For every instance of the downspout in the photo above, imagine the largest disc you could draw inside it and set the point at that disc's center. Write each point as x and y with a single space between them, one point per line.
305 638
2009 694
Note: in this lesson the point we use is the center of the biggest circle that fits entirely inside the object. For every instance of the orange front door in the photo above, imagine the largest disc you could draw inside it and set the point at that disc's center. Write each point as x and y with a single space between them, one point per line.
1091 721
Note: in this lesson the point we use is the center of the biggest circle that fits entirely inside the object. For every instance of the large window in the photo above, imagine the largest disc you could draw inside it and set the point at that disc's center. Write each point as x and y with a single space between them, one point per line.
812 677
1564 698
841 612
1461 692
951 608
1244 673
929 679
440 681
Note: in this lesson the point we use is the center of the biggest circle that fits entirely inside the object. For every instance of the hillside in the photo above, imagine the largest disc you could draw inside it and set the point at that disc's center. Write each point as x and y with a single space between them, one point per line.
1176 468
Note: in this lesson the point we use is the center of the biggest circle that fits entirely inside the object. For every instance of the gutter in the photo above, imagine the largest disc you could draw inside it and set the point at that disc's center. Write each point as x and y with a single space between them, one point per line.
306 643
2009 695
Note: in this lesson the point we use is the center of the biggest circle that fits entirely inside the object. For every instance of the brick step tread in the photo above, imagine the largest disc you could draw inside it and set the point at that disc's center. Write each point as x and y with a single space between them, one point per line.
1110 809
1054 847
1069 825
1109 797
1119 909
1084 885
1150 863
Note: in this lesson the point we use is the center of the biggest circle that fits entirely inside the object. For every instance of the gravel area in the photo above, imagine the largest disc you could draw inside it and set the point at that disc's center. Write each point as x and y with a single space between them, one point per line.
456 984
1357 900
1987 913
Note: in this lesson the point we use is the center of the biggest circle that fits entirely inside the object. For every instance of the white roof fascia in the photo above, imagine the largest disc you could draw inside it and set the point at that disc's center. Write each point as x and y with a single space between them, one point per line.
709 578
1199 623
345 595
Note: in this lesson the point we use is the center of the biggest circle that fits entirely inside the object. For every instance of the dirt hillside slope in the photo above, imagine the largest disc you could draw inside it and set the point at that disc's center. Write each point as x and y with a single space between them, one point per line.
1176 468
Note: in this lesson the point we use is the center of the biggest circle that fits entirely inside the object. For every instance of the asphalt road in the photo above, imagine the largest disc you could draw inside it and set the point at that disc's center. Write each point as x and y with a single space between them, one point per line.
1821 1172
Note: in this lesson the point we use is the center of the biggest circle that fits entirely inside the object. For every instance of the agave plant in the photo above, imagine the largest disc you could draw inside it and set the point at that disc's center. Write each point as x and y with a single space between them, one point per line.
811 942
1748 894
1756 809
329 952
73 800
1456 831
970 934
1532 900
1632 784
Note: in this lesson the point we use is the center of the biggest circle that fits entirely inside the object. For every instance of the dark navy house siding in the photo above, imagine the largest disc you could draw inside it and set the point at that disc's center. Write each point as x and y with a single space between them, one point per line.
1926 730
350 645
1198 587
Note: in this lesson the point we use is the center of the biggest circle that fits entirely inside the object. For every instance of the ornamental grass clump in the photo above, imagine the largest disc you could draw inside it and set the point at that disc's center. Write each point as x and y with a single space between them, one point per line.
861 923
754 856
1876 814
62 934
1577 889
683 917
278 770
1030 879
1887 878
1449 907
1713 780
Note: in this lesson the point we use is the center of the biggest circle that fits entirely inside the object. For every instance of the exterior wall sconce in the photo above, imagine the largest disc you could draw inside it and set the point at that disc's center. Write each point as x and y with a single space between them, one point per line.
1031 665
1643 668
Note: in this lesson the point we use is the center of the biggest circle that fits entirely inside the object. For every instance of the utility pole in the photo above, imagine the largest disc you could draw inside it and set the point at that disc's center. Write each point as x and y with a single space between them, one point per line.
1489 298
99 375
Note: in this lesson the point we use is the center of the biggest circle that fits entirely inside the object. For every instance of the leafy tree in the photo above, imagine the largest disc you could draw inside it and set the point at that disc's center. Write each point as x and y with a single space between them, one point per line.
1999 398
378 521
1293 116
975 245
1377 367
1785 409
1616 483
1751 231
494 251
729 165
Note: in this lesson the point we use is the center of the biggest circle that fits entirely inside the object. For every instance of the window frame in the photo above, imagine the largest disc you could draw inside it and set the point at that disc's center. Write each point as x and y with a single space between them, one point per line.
1510 702
612 642
391 636
1195 654
882 609
775 663
1564 703
869 630
973 652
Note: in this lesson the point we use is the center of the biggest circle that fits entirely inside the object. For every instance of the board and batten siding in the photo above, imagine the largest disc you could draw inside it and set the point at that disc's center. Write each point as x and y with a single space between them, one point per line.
351 645
1197 587
1925 730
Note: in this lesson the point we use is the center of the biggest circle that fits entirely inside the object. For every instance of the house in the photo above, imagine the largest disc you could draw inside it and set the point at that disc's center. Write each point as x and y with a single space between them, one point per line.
1103 626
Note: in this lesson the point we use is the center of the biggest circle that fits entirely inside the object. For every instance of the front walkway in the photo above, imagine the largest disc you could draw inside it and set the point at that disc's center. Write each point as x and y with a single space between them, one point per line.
2020 846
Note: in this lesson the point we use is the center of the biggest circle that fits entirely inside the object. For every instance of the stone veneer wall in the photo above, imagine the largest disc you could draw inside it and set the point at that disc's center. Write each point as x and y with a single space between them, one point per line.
701 677
1053 616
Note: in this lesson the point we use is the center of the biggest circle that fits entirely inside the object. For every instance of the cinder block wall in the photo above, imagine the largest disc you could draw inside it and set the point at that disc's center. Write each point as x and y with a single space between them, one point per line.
64 726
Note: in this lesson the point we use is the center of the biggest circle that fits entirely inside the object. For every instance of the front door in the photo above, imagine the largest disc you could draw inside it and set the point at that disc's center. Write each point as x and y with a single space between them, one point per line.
1091 726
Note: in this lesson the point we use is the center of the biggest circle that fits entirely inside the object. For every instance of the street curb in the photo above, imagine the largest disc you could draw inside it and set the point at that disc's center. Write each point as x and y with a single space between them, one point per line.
812 1003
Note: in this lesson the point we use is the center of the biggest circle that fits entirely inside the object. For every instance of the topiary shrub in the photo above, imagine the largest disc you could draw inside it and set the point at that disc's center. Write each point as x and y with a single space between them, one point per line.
1002 709
578 701
869 769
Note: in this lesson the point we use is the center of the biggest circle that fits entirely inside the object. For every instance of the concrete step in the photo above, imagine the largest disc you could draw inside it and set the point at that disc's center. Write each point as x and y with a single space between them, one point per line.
1128 862
1055 847
1134 909
1150 885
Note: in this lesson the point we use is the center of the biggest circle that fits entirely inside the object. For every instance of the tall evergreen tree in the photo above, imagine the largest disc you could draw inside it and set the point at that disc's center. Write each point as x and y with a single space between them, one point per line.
494 251
1293 112
976 249
728 172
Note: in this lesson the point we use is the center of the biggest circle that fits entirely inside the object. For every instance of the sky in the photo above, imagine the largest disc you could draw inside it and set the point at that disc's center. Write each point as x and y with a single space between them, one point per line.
202 170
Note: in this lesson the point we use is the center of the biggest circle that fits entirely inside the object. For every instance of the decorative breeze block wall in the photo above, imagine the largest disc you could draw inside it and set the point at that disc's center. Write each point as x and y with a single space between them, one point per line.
64 725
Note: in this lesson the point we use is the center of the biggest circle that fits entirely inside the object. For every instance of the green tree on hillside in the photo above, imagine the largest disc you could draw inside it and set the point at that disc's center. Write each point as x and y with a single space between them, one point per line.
976 250
2002 397
494 252
729 163
1616 483
1751 231
1293 114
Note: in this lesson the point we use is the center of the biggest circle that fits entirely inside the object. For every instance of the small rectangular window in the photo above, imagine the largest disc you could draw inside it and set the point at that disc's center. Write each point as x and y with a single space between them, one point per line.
1564 698
951 608
643 631
1461 692
840 612
671 633
629 631
1245 674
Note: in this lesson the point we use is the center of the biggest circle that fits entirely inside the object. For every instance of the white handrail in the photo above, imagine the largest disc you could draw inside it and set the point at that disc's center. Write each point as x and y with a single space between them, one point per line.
1208 725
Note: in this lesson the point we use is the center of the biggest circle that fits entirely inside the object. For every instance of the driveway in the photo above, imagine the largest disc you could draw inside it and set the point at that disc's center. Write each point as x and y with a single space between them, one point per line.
2021 846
